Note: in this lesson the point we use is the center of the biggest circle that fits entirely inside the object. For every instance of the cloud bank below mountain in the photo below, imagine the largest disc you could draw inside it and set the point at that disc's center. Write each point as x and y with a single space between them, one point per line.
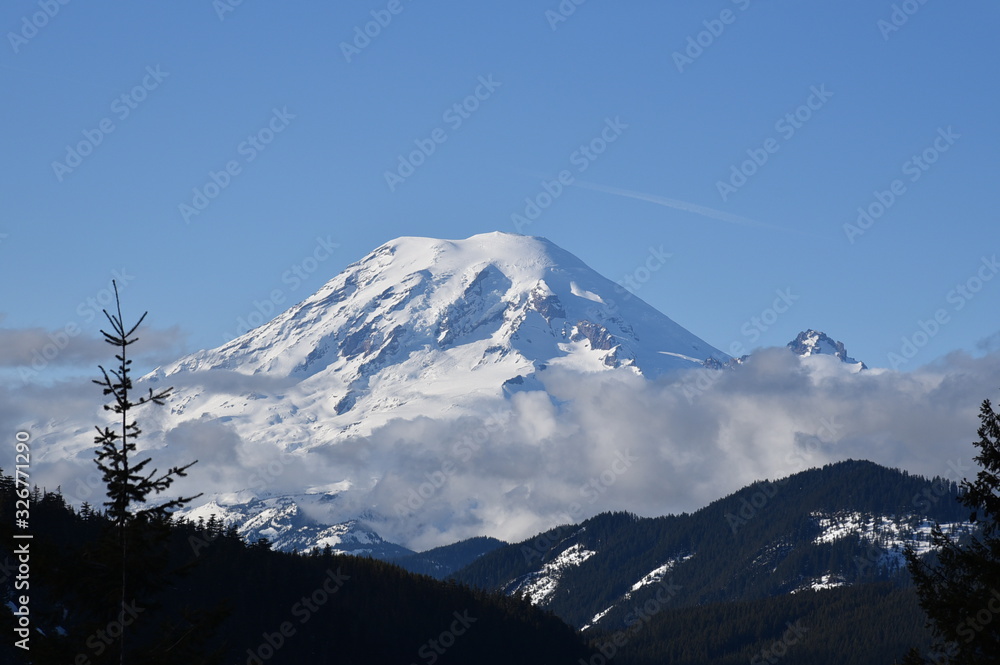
590 442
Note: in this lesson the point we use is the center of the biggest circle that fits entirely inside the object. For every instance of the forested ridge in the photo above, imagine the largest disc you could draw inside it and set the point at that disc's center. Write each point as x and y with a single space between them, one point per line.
227 597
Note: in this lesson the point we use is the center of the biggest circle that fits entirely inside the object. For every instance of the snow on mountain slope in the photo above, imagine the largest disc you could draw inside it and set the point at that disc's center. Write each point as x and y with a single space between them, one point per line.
891 534
540 585
885 537
655 576
419 328
284 523
425 325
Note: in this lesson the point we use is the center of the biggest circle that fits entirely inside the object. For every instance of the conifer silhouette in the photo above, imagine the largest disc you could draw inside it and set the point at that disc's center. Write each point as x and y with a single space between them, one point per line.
130 484
960 592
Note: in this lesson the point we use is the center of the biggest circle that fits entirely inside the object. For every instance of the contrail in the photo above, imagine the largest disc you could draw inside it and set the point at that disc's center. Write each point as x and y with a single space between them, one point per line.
679 205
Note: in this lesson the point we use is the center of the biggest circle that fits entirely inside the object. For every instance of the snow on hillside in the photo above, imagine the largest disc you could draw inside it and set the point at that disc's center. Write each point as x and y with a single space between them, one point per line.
419 328
540 585
284 522
820 583
654 576
891 534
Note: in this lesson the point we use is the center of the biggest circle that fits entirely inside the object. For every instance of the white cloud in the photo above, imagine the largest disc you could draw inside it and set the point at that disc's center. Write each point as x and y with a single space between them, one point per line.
595 442
38 349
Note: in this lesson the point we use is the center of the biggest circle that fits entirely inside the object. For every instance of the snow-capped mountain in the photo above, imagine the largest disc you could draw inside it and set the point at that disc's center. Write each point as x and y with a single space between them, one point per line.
420 327
283 521
814 343
324 425
423 325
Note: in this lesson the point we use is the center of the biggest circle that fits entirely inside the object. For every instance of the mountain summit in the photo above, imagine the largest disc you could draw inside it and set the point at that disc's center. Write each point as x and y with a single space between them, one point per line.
353 409
420 325
813 343
438 390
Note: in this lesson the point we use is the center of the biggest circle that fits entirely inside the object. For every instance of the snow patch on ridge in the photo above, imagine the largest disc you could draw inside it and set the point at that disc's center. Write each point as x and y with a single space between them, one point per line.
656 575
890 533
576 290
821 583
540 585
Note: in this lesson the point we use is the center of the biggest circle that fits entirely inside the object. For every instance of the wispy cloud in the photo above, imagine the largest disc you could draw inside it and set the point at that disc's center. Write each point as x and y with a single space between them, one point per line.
40 348
990 343
686 206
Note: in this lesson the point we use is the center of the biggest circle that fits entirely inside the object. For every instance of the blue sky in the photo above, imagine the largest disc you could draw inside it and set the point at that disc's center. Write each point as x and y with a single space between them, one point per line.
309 129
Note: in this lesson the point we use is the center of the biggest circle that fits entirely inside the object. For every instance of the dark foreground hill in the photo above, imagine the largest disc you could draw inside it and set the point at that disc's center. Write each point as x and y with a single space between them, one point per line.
267 607
807 569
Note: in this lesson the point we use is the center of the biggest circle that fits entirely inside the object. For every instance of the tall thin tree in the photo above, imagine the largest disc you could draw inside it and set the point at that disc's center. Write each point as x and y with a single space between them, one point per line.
129 483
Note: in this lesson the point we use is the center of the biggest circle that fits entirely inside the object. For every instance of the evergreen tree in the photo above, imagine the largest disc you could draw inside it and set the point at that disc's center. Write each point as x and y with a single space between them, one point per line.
137 525
128 482
960 593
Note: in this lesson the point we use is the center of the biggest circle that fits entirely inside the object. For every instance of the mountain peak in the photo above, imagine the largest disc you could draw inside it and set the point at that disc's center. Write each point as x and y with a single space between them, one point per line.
814 342
423 325
492 247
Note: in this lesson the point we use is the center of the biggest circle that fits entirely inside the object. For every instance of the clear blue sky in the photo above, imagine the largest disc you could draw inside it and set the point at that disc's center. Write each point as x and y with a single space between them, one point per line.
219 80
